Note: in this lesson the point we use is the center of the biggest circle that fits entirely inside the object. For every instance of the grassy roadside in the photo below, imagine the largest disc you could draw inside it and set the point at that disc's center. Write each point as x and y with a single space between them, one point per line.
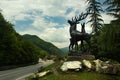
57 74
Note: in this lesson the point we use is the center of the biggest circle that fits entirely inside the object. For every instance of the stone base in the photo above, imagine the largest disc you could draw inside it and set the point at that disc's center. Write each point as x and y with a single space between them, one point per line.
80 57
75 53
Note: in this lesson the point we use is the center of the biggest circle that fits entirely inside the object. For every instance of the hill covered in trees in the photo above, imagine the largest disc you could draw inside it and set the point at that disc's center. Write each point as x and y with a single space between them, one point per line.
16 49
43 45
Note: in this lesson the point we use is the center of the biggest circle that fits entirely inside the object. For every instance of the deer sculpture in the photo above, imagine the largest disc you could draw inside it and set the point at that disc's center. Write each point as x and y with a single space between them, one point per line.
77 35
72 43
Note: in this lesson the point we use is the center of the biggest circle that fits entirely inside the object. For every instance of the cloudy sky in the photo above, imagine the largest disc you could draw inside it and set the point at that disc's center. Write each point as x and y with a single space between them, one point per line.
45 18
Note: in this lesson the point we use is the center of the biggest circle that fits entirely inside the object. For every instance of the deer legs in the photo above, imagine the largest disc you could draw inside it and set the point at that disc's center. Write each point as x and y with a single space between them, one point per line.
72 44
82 45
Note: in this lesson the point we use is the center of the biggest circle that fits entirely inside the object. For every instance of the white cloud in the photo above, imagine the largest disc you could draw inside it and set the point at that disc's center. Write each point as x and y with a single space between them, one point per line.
21 16
60 44
107 18
56 34
88 29
37 10
41 23
11 8
48 7
59 37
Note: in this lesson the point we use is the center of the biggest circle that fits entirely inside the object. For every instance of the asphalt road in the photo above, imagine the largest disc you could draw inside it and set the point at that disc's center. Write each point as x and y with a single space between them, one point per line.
22 72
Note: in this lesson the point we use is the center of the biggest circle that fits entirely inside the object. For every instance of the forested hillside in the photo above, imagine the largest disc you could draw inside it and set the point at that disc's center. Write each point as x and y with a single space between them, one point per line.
41 44
14 49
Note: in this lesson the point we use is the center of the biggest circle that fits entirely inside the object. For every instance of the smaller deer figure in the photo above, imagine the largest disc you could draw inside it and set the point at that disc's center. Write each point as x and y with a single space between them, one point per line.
82 31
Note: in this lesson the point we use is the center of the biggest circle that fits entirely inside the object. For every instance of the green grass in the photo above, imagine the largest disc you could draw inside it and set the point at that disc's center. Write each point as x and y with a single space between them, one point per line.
80 76
57 74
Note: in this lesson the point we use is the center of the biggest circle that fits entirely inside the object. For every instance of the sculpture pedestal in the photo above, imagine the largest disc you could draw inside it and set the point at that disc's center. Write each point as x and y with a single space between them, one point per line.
77 56
74 53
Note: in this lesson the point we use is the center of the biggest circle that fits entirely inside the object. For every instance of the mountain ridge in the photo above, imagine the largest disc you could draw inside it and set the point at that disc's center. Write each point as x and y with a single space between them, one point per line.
42 44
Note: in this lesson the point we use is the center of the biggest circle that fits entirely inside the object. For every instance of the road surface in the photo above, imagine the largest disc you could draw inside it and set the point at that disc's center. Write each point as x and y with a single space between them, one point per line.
22 72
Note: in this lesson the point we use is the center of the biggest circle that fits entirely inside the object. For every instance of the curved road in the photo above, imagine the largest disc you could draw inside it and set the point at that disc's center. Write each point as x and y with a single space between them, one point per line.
22 72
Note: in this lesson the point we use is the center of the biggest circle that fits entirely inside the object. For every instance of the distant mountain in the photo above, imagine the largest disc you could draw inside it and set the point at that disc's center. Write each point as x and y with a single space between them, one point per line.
41 44
65 49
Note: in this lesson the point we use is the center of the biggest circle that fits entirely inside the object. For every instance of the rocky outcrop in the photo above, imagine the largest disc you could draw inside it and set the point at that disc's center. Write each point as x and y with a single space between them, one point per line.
95 65
98 65
106 67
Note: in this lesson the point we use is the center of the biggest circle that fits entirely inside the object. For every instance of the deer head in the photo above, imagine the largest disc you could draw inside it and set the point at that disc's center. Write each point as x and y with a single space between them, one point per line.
77 19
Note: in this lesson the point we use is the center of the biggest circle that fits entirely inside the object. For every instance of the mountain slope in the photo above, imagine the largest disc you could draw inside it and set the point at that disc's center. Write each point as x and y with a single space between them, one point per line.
41 44
14 49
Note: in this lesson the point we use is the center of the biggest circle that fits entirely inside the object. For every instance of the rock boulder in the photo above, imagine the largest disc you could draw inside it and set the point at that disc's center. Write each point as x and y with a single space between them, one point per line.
75 65
87 64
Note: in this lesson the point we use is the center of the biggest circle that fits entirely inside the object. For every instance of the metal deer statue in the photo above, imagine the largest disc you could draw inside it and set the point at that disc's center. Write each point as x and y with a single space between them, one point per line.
77 35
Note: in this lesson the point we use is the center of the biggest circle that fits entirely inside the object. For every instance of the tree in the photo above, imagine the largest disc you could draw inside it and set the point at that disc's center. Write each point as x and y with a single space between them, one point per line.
108 42
113 9
94 9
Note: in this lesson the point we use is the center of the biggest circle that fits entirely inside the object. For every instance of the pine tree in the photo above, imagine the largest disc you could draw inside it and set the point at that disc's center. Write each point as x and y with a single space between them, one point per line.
94 9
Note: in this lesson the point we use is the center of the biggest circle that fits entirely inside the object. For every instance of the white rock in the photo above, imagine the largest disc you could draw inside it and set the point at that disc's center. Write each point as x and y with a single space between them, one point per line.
42 73
40 60
107 62
87 64
104 67
64 67
98 64
101 66
77 69
71 65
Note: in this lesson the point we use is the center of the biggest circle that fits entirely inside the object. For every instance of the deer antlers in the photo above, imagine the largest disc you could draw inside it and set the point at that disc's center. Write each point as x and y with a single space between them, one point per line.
81 17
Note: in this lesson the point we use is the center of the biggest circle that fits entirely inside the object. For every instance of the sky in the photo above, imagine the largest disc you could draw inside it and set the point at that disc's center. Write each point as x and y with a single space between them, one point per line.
46 18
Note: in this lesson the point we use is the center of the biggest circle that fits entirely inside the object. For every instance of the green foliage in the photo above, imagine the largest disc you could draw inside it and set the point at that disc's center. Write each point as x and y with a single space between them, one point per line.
14 49
108 42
